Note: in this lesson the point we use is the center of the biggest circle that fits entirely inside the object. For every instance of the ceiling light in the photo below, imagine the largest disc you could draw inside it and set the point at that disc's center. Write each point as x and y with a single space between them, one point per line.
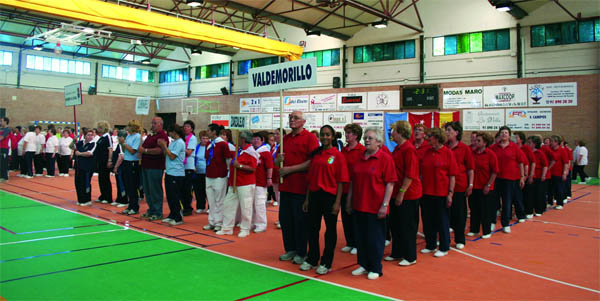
236 48
380 24
145 61
313 33
38 47
196 52
194 3
503 7
88 30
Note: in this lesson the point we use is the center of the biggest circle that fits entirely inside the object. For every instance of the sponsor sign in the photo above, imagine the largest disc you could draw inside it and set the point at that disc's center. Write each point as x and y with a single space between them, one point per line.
220 120
261 121
270 104
383 100
338 120
322 102
295 103
314 121
239 121
463 98
555 94
368 119
352 101
529 119
505 96
483 120
250 105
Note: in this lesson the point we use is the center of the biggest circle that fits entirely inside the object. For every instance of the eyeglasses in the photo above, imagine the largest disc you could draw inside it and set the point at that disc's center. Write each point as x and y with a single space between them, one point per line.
369 138
292 117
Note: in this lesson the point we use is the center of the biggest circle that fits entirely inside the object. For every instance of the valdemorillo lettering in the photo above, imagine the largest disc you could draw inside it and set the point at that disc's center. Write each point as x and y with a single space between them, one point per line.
294 74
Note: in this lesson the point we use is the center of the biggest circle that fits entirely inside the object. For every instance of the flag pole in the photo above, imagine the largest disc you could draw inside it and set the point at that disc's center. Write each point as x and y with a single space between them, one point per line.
281 131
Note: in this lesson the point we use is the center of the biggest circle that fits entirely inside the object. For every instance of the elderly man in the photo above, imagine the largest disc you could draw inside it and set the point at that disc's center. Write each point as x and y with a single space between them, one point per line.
218 157
297 146
153 166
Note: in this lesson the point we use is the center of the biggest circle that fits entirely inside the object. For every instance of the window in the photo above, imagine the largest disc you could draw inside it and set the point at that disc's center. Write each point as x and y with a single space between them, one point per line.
384 52
325 58
172 76
51 64
472 42
5 58
565 33
244 66
127 73
212 71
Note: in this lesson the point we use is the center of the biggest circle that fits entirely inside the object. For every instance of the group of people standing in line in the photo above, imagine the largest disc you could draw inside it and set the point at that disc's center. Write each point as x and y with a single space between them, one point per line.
378 192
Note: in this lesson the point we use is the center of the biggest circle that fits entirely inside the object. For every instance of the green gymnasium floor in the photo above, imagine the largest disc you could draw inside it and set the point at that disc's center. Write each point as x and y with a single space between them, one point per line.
48 253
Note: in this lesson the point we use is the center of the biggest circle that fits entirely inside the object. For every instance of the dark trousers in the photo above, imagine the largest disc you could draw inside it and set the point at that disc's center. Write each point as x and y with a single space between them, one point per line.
483 211
458 216
435 221
558 189
63 164
270 194
38 162
131 177
22 166
578 170
29 163
320 205
83 185
199 184
50 164
121 193
549 196
509 191
370 240
15 160
173 186
104 181
4 163
293 223
347 224
568 185
186 191
404 221
538 189
528 198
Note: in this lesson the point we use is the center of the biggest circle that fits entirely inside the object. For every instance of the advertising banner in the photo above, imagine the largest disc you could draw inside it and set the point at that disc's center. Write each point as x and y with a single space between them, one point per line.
250 105
529 119
505 96
322 102
295 103
261 121
556 94
294 74
383 100
352 101
463 98
483 120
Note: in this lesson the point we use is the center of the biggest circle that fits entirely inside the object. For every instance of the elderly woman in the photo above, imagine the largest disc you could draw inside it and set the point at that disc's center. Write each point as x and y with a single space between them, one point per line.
264 179
175 154
559 171
483 207
372 183
84 165
438 173
404 209
199 180
131 166
50 152
242 182
64 153
536 182
103 156
352 152
117 163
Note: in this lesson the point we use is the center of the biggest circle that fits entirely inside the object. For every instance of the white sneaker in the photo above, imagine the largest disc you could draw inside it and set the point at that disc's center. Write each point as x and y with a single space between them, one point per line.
486 236
346 249
275 204
104 202
47 176
522 220
322 270
450 230
353 251
406 263
166 220
85 204
387 242
373 276
460 246
243 233
217 228
529 216
359 271
122 205
28 177
538 214
493 227
305 266
440 253
389 258
97 201
470 234
506 229
260 230
175 223
200 211
559 207
114 204
426 251
208 227
223 232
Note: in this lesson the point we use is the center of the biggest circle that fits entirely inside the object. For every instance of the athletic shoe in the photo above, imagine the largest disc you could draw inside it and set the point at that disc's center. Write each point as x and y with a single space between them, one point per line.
95 174
354 251
200 211
426 251
298 259
145 215
470 234
322 270
460 246
521 220
243 233
538 214
359 271
440 253
260 230
176 223
238 225
346 249
450 230
28 177
275 204
85 204
114 204
486 236
126 212
97 201
529 216
389 258
506 229
372 276
492 227
287 256
208 227
20 175
166 220
305 266
278 225
104 202
39 174
406 263
122 205
559 207
387 242
223 232
47 176
217 228
154 217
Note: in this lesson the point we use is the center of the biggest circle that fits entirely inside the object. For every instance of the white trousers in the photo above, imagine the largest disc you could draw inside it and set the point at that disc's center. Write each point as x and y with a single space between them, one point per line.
259 218
244 198
215 194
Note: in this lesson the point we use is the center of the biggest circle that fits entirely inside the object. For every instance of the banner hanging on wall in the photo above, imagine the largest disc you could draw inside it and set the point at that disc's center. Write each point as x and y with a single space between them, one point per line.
390 119
295 103
220 120
322 102
239 121
383 100
286 123
270 105
554 94
250 105
314 121
294 74
338 120
505 96
463 98
483 120
352 101
368 119
529 119
261 121
424 118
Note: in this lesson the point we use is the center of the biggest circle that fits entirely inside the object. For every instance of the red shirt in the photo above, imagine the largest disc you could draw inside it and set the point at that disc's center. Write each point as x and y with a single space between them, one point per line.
407 166
6 139
14 140
436 169
369 178
486 163
352 156
422 149
275 174
528 154
561 158
297 148
154 161
327 169
540 163
464 162
265 161
570 156
386 149
217 167
548 152
243 177
509 158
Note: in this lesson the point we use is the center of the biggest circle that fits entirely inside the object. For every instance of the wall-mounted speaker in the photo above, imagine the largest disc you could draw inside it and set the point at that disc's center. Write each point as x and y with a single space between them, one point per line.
337 82
92 90
224 91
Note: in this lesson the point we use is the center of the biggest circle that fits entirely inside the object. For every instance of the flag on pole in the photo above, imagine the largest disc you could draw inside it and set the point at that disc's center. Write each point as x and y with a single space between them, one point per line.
391 118
424 118
440 118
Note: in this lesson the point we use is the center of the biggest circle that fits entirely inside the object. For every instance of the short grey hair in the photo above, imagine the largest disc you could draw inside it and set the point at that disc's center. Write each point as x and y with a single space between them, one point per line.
246 136
122 133
378 133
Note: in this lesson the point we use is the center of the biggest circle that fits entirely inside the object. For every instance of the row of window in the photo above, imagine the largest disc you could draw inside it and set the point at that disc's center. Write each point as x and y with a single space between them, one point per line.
325 58
5 58
565 33
212 71
127 73
472 42
244 66
172 76
44 63
384 52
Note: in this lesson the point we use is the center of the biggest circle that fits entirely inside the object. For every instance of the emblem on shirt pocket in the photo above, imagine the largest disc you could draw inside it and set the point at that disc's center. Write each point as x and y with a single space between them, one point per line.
330 160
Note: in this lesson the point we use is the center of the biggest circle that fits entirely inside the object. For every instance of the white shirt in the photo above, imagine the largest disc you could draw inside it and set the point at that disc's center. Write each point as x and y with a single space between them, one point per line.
63 146
51 145
41 139
583 153
31 140
115 142
20 146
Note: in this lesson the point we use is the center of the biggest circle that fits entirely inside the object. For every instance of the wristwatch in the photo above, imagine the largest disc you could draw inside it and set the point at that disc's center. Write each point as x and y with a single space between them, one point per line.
384 204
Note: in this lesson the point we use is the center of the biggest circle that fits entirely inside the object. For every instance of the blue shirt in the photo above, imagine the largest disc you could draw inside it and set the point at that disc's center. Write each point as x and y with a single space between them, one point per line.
175 167
134 142
200 160
190 162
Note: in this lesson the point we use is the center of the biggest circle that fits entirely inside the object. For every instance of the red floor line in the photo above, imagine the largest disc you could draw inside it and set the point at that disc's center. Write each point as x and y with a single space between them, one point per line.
273 290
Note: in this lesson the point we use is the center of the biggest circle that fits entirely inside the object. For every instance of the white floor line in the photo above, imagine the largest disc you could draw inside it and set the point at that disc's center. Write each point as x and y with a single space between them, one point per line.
527 273
567 225
207 250
61 236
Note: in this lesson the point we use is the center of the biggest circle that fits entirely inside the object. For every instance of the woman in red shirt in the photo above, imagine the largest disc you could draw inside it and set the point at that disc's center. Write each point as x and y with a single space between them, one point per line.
352 152
559 171
483 207
326 176
404 210
438 173
538 187
372 183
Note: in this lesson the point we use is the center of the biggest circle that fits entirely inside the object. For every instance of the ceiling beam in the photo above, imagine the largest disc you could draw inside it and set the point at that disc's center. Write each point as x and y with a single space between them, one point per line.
380 14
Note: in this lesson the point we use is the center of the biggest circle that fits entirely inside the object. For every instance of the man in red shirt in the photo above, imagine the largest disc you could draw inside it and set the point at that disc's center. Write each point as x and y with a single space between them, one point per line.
559 171
4 148
297 146
529 171
153 166
352 152
14 140
217 156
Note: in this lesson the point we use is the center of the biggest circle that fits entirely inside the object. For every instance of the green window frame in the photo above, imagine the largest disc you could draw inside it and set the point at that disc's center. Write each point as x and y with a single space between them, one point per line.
481 41
384 52
565 33
325 58
246 65
212 71
172 76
